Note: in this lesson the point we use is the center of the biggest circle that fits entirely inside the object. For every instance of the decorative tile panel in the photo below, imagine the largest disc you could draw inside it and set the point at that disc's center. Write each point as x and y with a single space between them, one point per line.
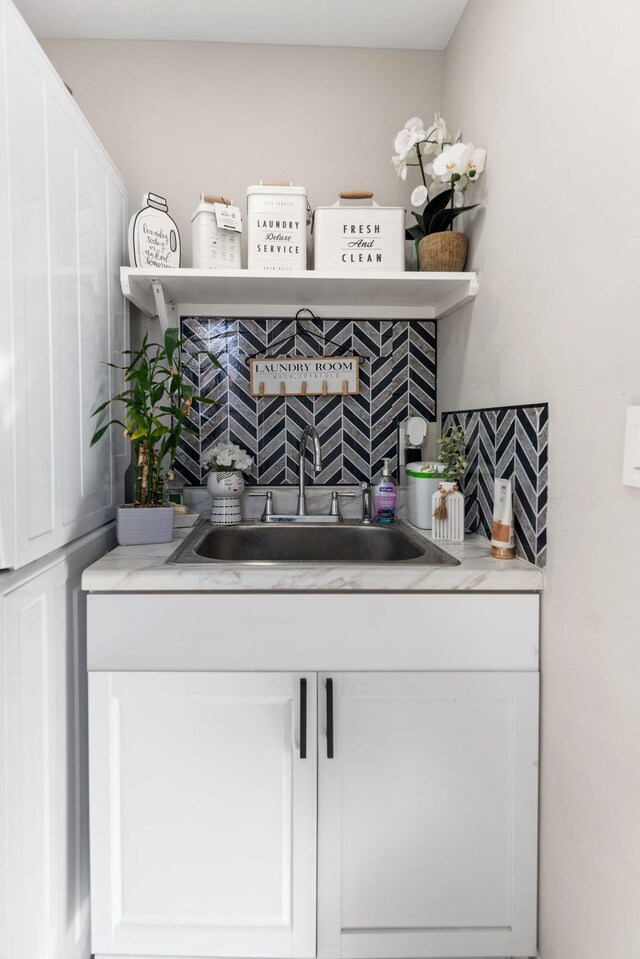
397 379
511 443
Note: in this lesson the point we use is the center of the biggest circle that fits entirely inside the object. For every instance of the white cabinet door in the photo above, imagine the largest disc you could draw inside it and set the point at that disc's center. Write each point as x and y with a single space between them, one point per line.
427 821
62 314
87 228
203 814
44 814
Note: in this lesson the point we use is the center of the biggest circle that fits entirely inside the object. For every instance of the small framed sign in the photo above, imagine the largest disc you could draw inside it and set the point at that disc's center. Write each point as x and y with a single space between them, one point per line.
305 376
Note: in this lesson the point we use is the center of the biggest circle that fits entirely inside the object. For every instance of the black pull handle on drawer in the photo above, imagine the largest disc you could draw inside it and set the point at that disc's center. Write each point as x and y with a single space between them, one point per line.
303 719
329 692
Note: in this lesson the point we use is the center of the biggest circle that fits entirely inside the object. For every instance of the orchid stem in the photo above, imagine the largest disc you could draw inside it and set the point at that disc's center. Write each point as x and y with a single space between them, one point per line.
424 179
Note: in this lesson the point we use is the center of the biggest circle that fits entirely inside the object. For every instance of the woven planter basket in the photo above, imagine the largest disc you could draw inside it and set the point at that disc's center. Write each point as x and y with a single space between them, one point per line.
443 252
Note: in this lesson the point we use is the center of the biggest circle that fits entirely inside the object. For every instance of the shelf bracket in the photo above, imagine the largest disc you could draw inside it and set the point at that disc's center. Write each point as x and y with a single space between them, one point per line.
165 307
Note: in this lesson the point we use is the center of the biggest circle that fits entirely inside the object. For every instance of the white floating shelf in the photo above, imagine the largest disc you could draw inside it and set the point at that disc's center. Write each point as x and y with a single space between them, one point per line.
394 296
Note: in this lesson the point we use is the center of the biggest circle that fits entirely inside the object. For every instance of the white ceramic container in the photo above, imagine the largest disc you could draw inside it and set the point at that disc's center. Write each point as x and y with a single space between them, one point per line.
276 228
358 236
214 248
225 489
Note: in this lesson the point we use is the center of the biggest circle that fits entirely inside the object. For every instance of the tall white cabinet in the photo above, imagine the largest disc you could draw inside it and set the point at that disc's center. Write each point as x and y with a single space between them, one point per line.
62 312
62 316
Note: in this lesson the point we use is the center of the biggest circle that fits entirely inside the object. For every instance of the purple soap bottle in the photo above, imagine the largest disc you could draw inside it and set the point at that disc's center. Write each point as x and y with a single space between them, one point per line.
385 497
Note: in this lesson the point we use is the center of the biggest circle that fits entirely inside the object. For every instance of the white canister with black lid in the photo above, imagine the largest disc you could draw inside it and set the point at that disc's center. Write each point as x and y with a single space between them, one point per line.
277 217
215 247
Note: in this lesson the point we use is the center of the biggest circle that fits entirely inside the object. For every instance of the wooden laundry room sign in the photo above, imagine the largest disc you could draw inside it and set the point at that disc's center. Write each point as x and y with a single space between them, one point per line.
305 376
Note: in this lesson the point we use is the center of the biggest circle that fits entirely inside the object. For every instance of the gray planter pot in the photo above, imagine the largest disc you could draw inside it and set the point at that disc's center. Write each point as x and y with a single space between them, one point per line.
139 525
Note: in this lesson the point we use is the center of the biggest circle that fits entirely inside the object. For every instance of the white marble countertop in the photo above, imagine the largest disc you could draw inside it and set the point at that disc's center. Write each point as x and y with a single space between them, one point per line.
143 569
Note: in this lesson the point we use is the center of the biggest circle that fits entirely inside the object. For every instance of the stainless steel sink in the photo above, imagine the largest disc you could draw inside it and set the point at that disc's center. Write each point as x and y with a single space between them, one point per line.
291 543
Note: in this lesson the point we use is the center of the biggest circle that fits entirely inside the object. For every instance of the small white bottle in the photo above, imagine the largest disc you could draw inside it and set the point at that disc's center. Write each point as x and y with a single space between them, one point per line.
154 240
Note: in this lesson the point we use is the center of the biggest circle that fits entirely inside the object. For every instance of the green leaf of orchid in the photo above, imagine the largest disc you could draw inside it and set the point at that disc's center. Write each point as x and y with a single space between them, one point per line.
444 219
414 233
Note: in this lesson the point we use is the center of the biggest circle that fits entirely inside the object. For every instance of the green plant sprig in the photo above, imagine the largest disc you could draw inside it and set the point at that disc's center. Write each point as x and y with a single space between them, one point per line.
451 453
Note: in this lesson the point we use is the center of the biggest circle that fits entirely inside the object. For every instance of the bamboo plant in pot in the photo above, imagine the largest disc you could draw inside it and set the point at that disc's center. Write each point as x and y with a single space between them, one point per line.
156 402
452 166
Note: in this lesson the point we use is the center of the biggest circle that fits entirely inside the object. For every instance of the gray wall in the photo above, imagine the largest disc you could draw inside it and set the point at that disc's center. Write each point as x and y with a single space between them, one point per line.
551 89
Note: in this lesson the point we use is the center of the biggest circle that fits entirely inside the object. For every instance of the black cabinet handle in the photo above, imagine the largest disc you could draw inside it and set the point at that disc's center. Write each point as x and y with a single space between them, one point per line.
303 719
329 692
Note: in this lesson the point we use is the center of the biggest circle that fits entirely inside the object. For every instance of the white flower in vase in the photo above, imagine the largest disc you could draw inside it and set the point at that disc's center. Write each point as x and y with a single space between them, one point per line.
228 456
437 133
476 162
452 161
447 167
400 164
413 132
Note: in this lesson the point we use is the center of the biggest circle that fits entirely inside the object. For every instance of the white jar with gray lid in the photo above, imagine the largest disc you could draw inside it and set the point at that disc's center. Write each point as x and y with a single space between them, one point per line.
215 234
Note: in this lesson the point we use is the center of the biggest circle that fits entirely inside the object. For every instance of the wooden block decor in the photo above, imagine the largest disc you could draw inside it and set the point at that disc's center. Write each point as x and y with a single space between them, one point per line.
305 376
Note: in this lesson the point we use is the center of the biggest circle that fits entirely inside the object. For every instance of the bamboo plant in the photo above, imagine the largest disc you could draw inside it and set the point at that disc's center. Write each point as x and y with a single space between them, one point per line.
157 404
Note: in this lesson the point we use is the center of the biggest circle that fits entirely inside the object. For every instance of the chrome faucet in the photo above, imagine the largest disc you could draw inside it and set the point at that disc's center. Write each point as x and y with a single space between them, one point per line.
308 431
366 504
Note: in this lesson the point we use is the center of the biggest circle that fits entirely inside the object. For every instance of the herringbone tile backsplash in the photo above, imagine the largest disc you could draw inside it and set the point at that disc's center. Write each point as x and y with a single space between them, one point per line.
397 379
511 443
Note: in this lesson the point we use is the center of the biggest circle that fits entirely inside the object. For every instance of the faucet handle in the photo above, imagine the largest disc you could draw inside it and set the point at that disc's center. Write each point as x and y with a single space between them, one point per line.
335 508
268 502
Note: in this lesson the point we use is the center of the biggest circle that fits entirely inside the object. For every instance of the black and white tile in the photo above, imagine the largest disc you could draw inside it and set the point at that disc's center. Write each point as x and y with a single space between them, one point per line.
397 379
509 442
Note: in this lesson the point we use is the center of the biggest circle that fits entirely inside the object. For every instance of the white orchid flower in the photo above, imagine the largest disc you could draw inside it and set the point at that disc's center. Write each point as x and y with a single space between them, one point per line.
452 160
476 162
437 132
412 133
400 164
419 195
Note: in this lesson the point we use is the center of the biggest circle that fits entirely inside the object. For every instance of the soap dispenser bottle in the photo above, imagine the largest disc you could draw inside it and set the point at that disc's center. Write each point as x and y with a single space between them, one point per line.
385 497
